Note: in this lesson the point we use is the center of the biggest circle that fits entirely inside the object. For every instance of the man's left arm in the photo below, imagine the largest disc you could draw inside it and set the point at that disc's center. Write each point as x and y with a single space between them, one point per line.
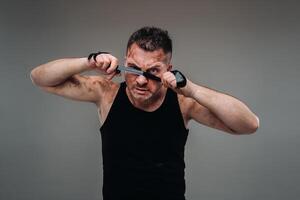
215 108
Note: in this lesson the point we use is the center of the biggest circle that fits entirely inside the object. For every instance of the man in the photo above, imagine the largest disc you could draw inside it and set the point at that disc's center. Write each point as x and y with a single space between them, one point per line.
144 120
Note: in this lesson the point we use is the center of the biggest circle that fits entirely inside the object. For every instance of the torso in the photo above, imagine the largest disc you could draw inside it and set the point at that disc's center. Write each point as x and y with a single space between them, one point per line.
142 151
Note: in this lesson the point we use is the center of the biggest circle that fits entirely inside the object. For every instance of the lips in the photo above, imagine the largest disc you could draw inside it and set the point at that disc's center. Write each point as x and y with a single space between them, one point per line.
141 90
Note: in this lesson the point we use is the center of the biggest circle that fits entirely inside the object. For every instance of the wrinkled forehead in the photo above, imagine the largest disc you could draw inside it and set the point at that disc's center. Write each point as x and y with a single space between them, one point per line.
139 56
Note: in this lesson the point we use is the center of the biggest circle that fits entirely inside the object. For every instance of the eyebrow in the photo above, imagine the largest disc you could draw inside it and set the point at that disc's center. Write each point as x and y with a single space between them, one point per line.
151 67
154 66
131 64
134 66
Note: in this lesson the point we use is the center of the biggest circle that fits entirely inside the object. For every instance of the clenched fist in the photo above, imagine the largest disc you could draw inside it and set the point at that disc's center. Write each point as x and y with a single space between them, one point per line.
104 63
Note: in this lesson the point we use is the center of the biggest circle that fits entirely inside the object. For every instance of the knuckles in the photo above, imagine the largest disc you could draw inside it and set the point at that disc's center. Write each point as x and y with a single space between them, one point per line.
104 62
168 77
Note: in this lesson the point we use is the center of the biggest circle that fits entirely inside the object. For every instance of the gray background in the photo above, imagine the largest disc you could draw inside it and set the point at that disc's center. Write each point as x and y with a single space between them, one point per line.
50 147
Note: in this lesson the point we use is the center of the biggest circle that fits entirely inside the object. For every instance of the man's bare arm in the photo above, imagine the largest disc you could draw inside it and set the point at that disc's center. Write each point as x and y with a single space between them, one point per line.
222 111
215 109
62 77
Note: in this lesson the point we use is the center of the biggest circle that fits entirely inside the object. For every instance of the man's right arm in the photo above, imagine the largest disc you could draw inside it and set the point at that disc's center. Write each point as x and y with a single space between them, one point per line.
62 77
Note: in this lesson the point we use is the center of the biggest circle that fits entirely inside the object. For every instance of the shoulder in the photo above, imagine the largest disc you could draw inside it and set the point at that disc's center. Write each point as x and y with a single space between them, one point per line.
109 92
105 89
185 102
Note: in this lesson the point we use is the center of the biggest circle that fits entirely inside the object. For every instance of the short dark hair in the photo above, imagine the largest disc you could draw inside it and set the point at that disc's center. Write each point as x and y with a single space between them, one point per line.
151 39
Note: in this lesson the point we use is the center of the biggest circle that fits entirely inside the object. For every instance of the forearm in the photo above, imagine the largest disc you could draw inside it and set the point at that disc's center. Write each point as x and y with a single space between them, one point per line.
57 71
231 111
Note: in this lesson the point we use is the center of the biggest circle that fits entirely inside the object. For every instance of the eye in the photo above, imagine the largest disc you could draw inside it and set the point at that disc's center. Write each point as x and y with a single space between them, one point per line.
153 71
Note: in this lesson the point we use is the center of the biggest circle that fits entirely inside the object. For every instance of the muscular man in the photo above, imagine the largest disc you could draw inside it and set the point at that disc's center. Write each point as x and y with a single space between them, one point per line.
144 121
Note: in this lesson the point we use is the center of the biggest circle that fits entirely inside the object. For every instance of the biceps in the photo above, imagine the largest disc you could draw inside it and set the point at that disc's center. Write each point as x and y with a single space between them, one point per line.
204 116
77 87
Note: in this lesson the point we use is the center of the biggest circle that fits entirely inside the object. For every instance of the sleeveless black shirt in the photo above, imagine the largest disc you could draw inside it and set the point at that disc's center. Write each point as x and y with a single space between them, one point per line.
143 152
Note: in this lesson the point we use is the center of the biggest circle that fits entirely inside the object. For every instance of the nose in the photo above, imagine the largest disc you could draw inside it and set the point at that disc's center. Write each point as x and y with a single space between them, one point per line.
141 80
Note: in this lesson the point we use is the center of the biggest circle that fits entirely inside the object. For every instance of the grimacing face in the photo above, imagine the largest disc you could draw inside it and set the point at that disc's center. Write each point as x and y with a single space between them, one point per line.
139 88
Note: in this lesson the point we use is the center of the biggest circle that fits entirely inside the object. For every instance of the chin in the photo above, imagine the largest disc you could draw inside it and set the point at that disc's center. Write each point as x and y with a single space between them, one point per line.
141 96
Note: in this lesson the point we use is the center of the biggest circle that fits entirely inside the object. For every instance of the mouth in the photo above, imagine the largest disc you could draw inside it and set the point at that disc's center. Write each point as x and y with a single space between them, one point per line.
141 91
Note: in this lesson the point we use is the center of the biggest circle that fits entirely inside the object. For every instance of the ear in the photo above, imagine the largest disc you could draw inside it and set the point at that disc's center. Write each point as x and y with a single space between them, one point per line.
125 60
170 66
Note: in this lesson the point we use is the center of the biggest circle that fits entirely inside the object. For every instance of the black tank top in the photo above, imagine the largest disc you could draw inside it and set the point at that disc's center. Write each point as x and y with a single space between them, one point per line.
143 152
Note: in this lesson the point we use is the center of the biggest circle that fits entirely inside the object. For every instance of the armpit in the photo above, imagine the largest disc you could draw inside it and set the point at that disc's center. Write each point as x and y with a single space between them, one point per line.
74 81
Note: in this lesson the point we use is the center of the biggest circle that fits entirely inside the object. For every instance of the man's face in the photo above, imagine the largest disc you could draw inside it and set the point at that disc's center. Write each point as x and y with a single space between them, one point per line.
140 88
